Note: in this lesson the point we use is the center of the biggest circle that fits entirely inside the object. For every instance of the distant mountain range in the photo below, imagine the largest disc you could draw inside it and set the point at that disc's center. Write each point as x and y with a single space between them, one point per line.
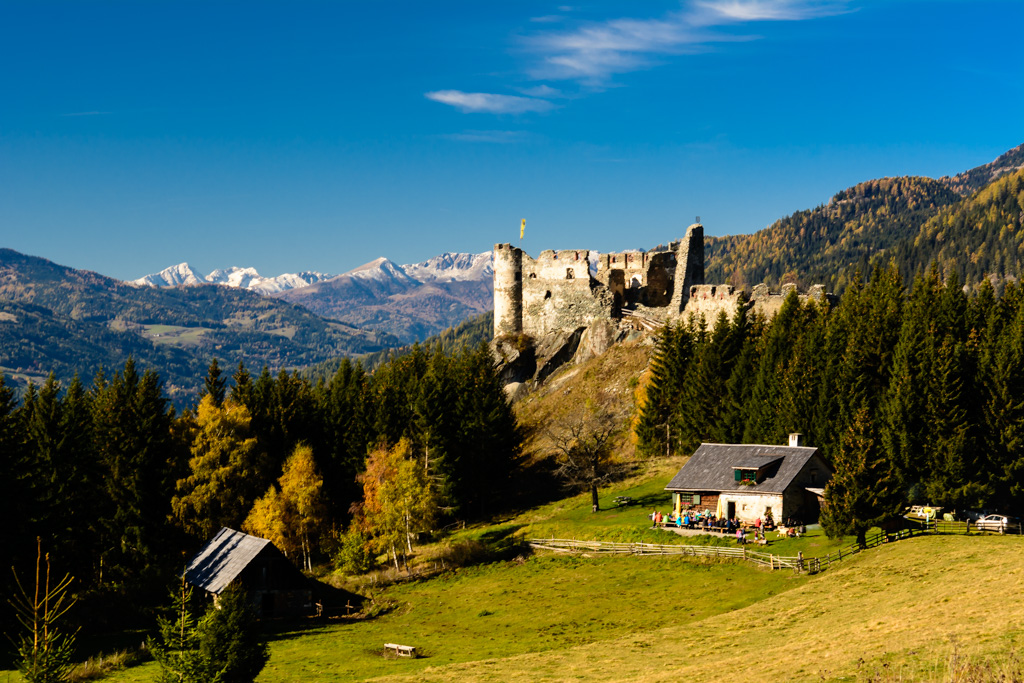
411 301
55 318
243 278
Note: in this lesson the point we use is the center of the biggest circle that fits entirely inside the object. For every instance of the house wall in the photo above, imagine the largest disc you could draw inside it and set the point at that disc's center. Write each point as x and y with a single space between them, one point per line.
799 504
751 506
708 501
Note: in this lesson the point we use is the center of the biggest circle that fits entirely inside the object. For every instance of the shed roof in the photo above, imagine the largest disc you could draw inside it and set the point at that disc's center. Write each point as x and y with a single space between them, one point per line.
711 467
222 559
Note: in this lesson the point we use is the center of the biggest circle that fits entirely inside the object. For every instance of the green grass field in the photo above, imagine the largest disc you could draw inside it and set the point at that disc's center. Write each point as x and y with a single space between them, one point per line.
174 335
897 612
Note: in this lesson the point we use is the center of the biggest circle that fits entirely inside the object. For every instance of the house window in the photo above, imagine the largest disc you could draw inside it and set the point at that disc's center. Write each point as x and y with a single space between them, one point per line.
745 475
690 498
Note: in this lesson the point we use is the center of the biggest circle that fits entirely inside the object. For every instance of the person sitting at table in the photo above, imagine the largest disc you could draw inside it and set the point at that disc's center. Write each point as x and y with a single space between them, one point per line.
679 521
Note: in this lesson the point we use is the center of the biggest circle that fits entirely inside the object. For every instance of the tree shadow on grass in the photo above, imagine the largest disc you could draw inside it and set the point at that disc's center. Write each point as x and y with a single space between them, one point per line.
653 499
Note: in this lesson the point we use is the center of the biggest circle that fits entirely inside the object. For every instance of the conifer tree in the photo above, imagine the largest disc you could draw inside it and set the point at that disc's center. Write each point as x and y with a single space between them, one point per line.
215 383
957 475
865 490
227 470
775 352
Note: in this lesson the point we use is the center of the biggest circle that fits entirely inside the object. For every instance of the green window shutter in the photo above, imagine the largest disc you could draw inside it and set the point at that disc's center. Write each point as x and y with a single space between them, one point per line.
696 499
738 474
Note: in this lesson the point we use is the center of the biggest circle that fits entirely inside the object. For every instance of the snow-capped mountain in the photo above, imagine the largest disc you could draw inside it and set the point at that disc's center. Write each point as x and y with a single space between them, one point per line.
246 278
174 276
380 269
235 277
449 267
409 301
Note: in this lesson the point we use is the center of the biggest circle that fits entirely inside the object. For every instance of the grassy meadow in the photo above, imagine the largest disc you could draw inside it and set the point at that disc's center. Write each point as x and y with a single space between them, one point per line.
897 612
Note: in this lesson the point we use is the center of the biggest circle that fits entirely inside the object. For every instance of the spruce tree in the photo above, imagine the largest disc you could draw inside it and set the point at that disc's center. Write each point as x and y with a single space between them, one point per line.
215 383
865 490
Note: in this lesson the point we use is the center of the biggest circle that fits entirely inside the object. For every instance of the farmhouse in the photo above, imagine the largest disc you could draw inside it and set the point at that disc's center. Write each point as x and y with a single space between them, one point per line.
277 588
747 481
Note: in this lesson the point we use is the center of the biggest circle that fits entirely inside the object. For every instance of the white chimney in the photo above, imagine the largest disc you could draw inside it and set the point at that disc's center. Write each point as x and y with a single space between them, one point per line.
796 440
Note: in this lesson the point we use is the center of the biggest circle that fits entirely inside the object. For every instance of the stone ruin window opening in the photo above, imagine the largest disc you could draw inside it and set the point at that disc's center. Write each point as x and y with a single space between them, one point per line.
547 295
569 274
634 283
533 276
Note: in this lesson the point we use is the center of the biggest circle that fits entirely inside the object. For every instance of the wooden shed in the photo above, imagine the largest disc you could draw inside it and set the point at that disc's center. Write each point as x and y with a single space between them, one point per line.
276 586
746 481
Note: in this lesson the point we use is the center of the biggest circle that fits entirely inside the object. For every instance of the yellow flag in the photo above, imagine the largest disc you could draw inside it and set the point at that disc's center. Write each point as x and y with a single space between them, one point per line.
522 228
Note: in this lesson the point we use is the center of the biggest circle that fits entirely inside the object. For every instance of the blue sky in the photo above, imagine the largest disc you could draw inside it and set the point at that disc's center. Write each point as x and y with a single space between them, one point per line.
320 135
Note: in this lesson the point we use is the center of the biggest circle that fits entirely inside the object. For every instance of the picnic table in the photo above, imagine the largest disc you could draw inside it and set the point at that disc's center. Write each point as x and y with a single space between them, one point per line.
402 650
624 500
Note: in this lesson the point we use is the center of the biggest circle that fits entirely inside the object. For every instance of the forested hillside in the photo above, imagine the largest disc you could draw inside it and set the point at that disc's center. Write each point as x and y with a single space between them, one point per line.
915 396
825 245
119 485
977 238
62 320
871 223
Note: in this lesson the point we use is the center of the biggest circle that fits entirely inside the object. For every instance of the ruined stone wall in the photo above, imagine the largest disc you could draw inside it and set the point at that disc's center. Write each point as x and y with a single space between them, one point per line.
689 269
558 293
765 303
710 301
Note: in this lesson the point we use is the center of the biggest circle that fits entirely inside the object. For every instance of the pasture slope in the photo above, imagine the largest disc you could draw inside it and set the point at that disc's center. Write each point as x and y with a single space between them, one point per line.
896 612
899 612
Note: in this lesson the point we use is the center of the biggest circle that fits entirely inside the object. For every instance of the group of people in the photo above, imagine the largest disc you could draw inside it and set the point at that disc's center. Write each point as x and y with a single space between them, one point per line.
707 520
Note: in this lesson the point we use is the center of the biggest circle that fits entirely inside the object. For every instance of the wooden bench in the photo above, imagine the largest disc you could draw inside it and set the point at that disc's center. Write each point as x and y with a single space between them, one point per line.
402 650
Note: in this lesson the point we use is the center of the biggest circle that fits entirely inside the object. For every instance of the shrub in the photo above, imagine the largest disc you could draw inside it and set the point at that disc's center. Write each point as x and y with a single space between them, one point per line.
353 555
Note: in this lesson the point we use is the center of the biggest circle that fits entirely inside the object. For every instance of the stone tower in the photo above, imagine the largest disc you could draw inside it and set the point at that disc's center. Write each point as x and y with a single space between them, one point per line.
508 290
689 266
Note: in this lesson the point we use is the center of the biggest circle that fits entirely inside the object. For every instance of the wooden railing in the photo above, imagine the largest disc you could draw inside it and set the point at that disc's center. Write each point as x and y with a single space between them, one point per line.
799 563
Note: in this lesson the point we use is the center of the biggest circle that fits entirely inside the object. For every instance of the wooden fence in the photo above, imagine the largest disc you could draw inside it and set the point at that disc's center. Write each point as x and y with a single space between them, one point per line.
799 563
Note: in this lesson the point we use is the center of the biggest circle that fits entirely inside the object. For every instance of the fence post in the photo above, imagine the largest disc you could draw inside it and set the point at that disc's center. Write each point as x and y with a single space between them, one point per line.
840 554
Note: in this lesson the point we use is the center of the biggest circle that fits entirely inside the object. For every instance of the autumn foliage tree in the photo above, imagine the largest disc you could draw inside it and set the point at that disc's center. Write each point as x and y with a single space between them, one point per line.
225 470
292 514
398 499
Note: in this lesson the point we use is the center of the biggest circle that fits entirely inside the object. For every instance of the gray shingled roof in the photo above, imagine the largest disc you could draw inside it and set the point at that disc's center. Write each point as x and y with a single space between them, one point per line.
710 468
222 559
752 461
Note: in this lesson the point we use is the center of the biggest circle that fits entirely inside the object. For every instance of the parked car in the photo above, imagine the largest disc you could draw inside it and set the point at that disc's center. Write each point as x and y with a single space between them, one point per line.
923 513
1000 523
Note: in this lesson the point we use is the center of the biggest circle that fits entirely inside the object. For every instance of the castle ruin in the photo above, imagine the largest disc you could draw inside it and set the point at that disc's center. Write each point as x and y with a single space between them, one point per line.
559 292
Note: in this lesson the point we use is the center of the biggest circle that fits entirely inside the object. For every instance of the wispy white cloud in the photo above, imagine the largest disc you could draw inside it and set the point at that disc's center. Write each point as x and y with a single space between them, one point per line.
767 10
476 102
543 91
595 51
503 137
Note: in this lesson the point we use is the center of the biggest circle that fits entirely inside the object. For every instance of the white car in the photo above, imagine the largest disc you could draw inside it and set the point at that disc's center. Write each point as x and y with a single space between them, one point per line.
1000 523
